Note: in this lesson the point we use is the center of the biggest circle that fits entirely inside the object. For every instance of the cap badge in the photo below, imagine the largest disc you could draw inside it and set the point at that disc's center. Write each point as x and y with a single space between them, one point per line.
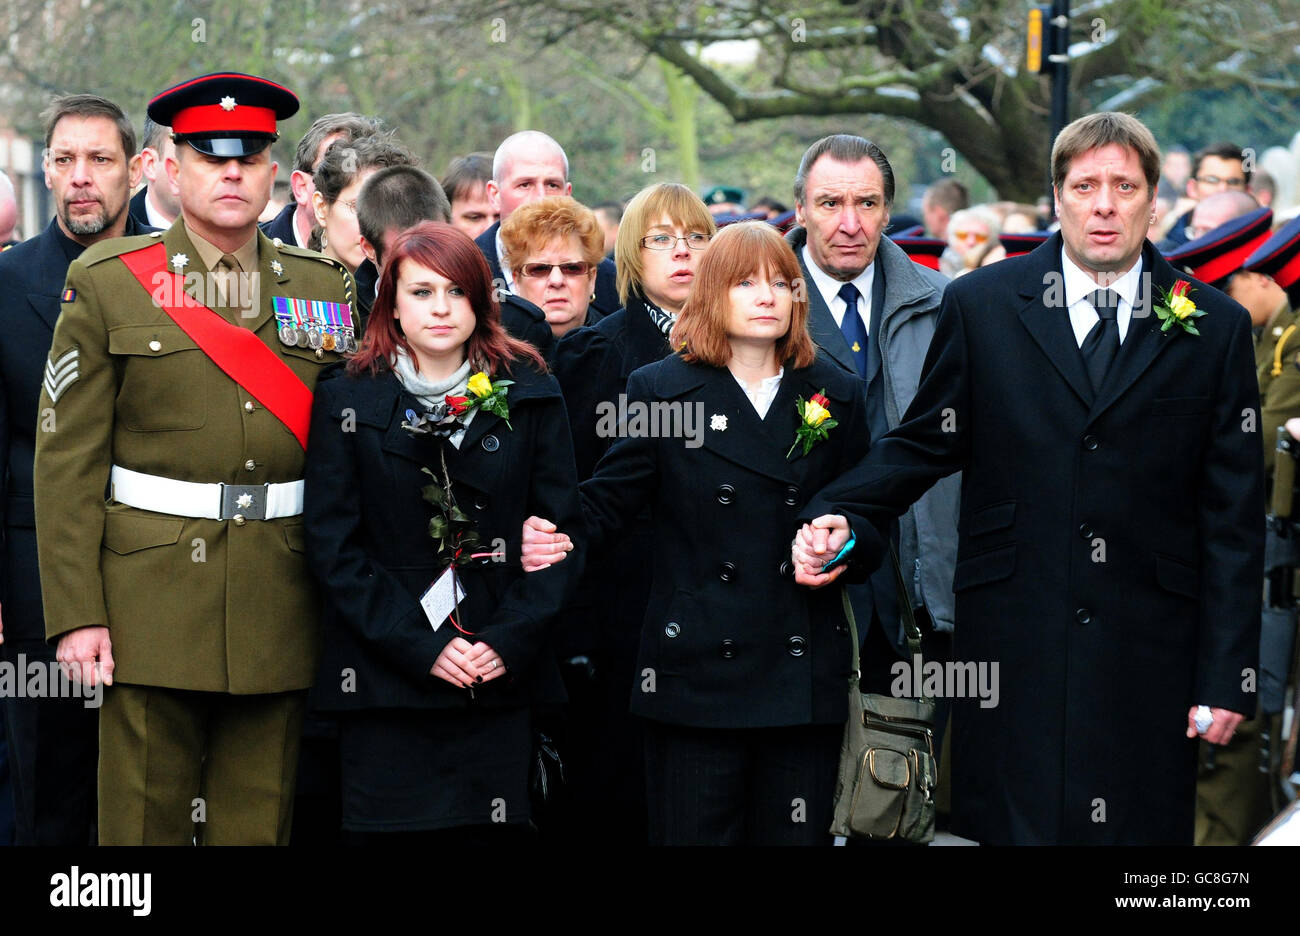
178 261
227 103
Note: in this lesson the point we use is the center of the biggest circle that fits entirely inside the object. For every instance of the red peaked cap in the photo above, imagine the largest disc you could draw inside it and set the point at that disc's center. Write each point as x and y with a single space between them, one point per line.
1279 257
225 114
1217 254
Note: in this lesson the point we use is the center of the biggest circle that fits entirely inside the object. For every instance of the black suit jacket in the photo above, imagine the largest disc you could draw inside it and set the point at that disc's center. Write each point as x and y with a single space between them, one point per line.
32 278
729 640
139 213
1110 548
606 301
368 542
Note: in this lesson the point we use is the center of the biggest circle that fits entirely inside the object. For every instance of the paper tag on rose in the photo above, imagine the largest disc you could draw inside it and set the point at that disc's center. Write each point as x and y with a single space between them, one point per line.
439 599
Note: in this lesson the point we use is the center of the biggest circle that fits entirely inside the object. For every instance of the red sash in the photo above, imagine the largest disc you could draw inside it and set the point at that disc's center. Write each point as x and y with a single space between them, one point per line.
244 357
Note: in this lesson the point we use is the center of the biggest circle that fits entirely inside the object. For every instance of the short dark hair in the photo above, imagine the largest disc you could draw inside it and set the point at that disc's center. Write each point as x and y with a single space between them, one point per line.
1221 150
344 159
351 125
611 208
88 105
948 194
845 148
153 135
397 198
465 174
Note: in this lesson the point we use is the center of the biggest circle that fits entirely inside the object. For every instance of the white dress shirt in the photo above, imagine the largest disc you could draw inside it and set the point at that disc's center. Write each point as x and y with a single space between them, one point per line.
1078 286
762 393
829 287
505 267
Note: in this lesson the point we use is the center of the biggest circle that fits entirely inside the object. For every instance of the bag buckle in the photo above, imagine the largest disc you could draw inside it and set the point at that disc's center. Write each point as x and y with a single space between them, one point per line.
244 500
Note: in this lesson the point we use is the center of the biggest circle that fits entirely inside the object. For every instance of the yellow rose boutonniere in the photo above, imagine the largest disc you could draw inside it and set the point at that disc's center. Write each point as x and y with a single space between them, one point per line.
490 395
816 422
1178 309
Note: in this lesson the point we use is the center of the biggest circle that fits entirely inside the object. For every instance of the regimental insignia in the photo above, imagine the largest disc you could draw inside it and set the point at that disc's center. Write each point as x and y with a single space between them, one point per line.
244 501
718 422
69 295
227 103
61 374
856 347
277 267
178 261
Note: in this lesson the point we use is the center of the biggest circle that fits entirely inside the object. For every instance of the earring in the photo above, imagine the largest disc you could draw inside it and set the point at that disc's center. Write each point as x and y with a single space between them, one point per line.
591 298
324 240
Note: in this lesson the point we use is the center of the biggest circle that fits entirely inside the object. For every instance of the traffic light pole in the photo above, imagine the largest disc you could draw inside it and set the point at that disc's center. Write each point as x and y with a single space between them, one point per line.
1059 58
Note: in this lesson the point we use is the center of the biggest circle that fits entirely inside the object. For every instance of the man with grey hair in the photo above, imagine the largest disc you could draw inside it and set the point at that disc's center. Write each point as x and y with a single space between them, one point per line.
155 205
1111 549
295 221
873 311
529 166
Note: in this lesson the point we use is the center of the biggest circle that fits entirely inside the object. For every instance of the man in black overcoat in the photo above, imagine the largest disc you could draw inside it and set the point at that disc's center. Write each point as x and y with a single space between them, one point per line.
90 166
1110 549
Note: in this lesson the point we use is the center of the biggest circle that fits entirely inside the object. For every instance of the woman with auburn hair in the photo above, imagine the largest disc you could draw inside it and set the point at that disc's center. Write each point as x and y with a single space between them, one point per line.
553 246
741 673
425 456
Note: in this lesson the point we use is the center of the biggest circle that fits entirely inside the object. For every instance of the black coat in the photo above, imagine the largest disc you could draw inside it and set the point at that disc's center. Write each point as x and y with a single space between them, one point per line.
281 225
1160 476
527 322
729 639
606 301
592 365
368 541
136 208
32 278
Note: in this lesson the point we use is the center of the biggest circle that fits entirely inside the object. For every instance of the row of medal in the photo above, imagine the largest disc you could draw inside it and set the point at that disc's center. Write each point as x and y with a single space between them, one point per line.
310 323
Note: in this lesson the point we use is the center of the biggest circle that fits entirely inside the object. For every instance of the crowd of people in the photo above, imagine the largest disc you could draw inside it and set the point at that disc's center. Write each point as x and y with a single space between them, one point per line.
461 511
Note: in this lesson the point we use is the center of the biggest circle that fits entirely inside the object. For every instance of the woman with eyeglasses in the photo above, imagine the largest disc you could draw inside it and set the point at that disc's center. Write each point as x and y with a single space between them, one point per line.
339 177
664 232
553 247
972 233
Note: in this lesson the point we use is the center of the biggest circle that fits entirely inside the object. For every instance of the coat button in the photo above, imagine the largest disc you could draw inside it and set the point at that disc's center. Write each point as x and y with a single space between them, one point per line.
728 649
727 571
1085 531
239 519
1083 616
726 494
786 569
1090 443
491 443
673 629
250 465
249 406
792 496
320 355
155 345
796 645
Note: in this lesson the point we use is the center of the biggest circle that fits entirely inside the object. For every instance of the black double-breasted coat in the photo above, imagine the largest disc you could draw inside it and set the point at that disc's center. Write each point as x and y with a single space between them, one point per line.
729 640
1110 548
369 546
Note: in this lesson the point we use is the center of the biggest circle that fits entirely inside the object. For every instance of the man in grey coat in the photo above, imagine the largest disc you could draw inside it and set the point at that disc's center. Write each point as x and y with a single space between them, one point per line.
873 311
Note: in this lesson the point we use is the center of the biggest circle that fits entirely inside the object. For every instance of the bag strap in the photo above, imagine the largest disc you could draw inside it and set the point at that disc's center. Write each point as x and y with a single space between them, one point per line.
910 629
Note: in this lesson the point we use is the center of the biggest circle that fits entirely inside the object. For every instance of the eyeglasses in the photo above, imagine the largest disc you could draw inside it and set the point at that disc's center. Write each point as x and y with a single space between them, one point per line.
1234 182
543 270
975 235
694 240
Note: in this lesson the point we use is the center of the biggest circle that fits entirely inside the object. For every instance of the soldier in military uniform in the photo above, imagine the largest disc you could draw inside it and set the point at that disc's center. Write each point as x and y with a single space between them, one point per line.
1232 793
186 362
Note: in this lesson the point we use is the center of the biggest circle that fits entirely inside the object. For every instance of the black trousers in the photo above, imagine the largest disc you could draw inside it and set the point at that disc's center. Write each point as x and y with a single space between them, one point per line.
53 753
750 786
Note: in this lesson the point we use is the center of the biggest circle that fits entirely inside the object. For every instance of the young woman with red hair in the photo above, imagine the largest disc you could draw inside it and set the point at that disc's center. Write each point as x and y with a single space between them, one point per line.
425 456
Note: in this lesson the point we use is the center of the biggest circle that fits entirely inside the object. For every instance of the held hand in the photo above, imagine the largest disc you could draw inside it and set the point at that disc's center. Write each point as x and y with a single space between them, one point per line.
488 662
543 546
1293 427
454 664
86 655
1220 732
816 544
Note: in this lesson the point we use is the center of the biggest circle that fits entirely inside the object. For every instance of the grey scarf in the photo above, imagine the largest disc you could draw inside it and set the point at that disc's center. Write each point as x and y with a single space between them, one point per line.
430 392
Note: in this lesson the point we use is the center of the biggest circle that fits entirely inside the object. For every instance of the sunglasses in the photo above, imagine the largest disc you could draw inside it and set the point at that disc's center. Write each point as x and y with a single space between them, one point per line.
543 270
979 238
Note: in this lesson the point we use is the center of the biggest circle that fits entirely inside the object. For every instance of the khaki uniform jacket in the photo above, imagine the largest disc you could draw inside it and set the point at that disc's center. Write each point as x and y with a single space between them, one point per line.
191 603
1277 359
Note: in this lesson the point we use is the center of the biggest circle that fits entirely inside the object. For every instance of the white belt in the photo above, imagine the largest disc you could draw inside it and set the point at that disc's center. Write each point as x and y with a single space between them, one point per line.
211 501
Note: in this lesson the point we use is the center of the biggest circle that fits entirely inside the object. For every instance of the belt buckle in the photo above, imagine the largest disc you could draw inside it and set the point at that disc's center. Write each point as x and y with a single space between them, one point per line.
245 500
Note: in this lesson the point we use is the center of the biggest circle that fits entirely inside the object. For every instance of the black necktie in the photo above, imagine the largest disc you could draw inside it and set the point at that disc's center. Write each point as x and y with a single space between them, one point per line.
1102 343
855 332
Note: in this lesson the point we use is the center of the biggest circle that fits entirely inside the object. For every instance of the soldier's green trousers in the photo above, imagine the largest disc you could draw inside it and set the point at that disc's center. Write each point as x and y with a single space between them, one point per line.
179 767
